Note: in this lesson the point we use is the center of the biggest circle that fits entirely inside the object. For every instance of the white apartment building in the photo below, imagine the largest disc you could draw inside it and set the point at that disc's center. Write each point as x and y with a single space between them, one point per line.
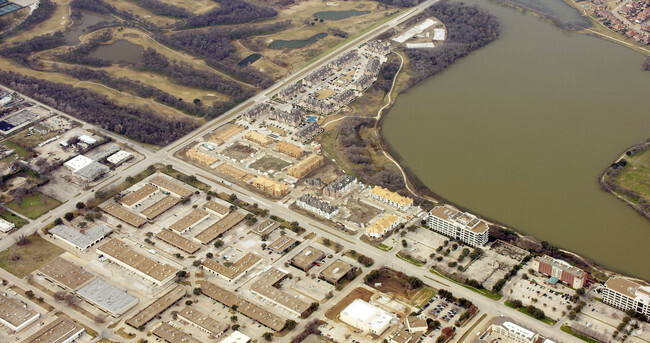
625 294
461 226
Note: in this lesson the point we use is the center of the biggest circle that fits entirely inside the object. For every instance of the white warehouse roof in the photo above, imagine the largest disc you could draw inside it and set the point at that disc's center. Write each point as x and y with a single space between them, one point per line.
366 317
6 226
119 157
78 162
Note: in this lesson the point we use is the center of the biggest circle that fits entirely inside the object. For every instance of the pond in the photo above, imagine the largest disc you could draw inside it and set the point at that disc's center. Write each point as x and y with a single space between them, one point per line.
121 50
88 19
250 59
339 15
296 43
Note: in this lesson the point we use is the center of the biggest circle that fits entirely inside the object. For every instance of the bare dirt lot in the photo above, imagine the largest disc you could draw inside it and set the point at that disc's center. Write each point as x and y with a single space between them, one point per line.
269 163
239 151
360 212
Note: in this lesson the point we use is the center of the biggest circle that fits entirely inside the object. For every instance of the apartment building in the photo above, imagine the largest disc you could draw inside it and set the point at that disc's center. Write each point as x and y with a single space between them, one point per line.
317 76
391 198
256 112
340 186
382 226
306 165
560 270
461 226
290 92
625 294
317 206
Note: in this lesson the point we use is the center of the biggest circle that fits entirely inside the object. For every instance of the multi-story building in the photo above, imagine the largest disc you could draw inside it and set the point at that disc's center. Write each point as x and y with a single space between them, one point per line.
317 76
307 132
306 165
391 198
378 48
344 60
461 226
382 226
372 68
344 97
290 92
340 186
561 270
256 112
512 332
363 83
625 294
317 206
293 118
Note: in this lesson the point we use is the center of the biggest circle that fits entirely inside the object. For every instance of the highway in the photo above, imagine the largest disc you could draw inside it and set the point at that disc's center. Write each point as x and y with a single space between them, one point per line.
166 156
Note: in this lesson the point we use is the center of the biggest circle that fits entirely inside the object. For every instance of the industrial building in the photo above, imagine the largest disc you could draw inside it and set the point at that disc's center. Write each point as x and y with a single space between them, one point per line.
124 215
189 221
61 330
238 269
366 317
15 315
172 187
119 157
625 294
107 297
203 322
65 274
268 287
282 244
559 270
461 226
171 334
219 228
6 226
135 198
81 240
157 307
160 207
121 254
178 241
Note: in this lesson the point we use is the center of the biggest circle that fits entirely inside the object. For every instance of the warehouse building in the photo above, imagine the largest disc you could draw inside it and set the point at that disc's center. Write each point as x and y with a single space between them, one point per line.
61 330
65 274
135 198
171 334
366 317
15 315
178 241
202 321
268 287
157 307
282 244
191 220
81 240
124 215
121 254
107 297
238 269
219 228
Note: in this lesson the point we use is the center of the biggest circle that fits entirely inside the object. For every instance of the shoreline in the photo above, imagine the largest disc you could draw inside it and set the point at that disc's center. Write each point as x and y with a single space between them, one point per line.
424 192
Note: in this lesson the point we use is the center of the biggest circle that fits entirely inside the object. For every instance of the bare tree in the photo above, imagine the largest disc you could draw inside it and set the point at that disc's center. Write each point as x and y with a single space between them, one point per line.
60 295
71 299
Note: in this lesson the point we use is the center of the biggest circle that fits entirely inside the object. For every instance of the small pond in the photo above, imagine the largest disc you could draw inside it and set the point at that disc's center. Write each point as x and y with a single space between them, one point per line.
250 59
121 50
339 15
296 43
89 19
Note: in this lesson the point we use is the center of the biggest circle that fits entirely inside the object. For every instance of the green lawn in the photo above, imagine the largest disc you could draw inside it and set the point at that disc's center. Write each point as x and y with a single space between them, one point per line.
32 256
410 260
545 320
384 247
34 205
20 151
636 174
568 330
10 217
483 292
184 178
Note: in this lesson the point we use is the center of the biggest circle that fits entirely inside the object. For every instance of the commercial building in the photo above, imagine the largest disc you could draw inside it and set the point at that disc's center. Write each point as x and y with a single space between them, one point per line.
172 187
236 337
202 321
259 138
391 198
306 165
107 297
189 221
178 241
15 315
81 240
124 215
216 207
560 270
461 226
265 227
157 307
61 330
65 274
244 307
121 254
91 172
282 244
400 336
307 258
219 228
119 157
625 294
78 162
289 149
135 198
382 226
6 226
512 332
337 271
320 207
268 287
171 334
238 269
271 187
416 324
160 207
366 317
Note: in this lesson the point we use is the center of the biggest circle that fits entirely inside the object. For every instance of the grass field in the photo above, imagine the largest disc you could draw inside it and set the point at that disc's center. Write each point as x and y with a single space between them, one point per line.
22 138
384 247
59 20
12 218
18 150
636 174
144 13
34 205
568 330
545 320
32 256
410 260
184 178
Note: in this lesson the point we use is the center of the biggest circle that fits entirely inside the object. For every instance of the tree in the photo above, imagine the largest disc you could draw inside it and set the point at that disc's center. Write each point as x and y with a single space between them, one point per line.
268 336
234 307
29 294
80 205
235 327
290 324
196 263
516 303
60 295
580 291
209 255
68 216
404 243
233 319
58 221
218 244
197 291
414 282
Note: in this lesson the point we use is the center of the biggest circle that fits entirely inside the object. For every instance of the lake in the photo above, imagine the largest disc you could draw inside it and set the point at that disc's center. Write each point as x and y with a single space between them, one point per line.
520 130
121 50
296 43
89 18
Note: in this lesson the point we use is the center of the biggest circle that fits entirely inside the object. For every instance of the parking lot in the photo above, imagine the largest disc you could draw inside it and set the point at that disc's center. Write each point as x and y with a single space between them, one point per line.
553 301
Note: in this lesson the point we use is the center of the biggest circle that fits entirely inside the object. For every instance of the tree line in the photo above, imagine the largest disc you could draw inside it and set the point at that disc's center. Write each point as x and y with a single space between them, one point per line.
164 9
468 28
138 123
19 52
229 12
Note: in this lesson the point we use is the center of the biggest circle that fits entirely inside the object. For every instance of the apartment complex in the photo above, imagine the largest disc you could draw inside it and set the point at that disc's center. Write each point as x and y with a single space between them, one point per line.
382 226
289 149
303 167
271 187
317 206
625 294
340 186
461 226
391 198
560 270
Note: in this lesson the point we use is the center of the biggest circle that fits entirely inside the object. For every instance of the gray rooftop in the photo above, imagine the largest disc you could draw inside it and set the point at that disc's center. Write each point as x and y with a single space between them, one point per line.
81 240
103 151
92 171
107 296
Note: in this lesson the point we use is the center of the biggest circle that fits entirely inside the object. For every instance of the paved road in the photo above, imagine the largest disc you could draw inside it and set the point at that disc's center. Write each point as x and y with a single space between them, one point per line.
165 156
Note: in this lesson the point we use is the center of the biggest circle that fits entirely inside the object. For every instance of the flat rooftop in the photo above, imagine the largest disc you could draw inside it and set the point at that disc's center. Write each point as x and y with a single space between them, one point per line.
160 207
237 268
171 186
157 307
178 241
265 227
307 257
217 229
170 334
66 273
14 312
81 240
124 215
201 320
107 296
60 330
283 243
139 194
624 286
216 207
189 220
265 286
469 221
336 270
244 307
121 251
